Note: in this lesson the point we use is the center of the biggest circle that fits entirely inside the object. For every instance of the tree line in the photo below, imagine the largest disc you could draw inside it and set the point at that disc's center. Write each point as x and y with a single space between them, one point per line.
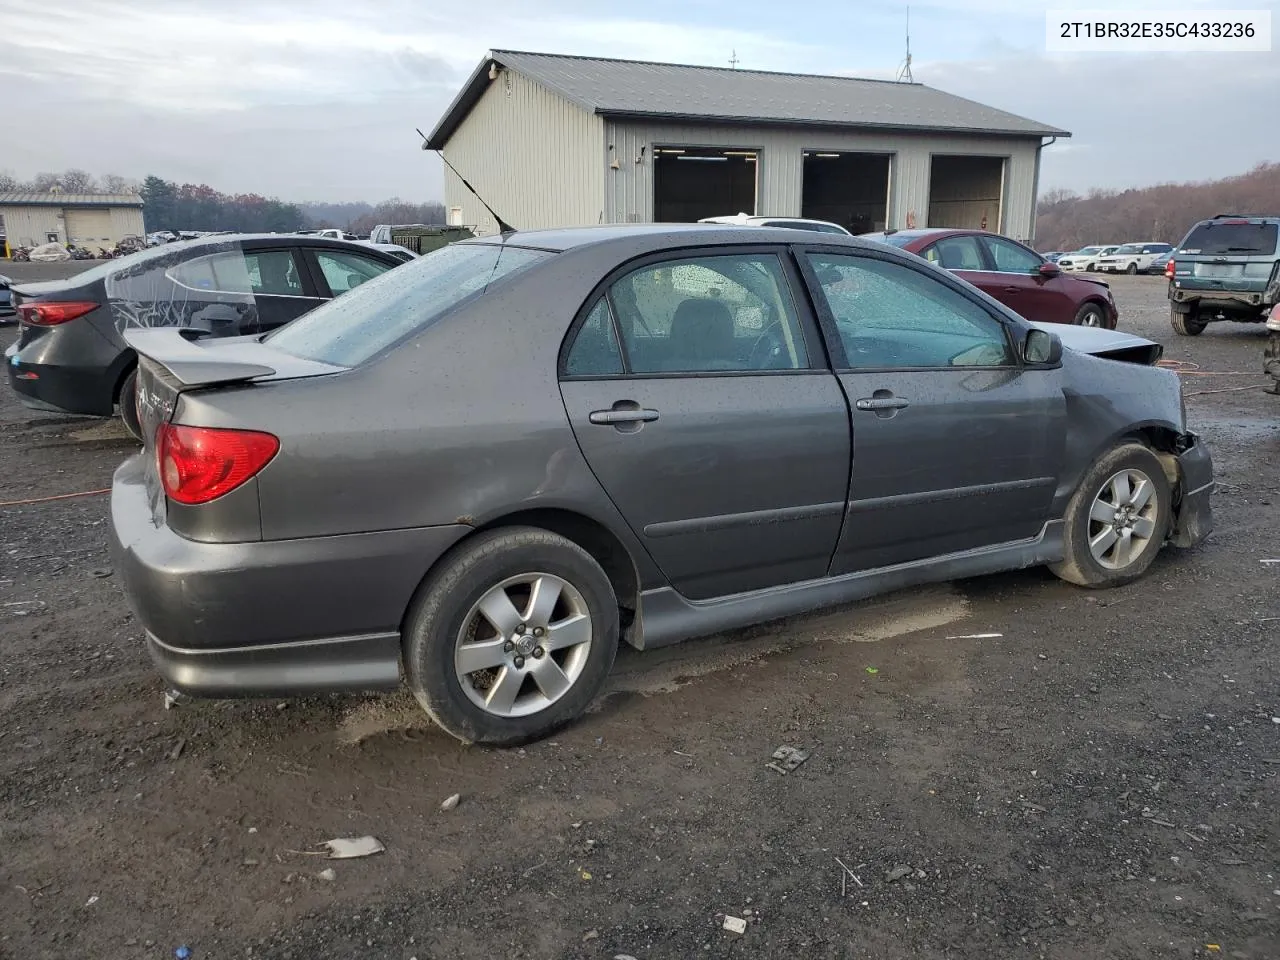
169 205
1162 213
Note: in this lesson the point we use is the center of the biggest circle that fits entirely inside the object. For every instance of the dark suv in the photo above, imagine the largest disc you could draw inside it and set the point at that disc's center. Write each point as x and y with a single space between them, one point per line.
1227 268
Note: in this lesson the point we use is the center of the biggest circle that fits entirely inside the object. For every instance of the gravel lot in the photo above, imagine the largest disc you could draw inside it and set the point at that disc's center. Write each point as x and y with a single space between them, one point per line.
1100 780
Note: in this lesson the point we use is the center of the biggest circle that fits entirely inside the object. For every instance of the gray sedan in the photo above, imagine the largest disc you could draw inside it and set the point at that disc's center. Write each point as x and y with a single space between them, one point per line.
479 472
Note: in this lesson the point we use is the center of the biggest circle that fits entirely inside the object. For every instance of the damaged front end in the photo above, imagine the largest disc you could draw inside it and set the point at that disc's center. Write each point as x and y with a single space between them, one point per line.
1190 471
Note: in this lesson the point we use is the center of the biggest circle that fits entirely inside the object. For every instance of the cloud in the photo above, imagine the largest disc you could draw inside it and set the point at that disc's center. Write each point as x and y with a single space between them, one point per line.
319 100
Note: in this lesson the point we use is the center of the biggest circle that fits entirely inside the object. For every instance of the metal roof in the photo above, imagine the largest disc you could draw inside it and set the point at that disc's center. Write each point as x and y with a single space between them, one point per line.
34 199
635 88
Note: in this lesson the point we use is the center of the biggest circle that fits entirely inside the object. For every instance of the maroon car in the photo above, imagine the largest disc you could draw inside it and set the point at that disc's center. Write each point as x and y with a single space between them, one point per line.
1015 275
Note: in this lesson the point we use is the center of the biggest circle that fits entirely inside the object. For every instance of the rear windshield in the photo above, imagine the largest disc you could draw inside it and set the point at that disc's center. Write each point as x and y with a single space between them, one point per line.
1221 239
352 328
897 239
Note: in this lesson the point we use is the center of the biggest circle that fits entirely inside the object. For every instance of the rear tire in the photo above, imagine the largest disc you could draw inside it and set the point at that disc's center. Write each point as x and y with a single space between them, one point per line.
486 660
129 404
1187 323
1117 520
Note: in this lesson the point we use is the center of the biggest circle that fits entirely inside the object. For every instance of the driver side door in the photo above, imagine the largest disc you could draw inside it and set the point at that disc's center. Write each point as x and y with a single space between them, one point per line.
956 445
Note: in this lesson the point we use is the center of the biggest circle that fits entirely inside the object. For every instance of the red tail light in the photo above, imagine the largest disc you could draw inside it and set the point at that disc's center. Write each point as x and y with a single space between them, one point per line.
47 314
1168 269
199 464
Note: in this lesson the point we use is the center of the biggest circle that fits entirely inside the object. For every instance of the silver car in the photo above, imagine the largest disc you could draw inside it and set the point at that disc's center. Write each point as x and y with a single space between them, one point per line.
479 472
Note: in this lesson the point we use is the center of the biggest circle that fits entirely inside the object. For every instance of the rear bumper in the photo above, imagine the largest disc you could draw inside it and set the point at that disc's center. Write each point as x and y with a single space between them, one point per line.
50 386
268 617
369 662
1193 520
1239 300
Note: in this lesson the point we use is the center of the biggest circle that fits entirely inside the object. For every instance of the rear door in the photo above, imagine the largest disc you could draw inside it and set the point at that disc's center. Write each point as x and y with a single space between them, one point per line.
282 286
700 395
955 445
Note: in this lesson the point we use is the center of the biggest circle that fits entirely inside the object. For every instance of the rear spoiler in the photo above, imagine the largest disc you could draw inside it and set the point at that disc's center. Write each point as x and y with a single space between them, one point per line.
188 360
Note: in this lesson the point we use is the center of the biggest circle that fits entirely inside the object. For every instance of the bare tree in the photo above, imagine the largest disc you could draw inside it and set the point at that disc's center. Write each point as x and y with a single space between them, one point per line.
8 182
78 181
44 182
114 183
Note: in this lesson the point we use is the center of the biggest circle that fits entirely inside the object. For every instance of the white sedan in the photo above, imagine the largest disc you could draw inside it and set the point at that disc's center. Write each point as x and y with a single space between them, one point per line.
1084 259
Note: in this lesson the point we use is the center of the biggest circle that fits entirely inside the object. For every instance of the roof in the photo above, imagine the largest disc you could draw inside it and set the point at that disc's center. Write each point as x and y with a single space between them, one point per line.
658 236
642 89
36 199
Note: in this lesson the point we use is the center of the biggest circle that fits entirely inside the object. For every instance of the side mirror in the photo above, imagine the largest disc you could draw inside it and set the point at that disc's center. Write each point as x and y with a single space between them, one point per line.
1041 348
1049 269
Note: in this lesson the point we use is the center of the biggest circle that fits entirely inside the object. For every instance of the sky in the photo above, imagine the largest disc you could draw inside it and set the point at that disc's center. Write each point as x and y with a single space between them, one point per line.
319 99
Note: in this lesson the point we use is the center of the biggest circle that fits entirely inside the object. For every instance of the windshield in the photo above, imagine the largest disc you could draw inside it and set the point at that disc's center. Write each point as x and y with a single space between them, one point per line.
1130 248
1089 251
1218 239
352 328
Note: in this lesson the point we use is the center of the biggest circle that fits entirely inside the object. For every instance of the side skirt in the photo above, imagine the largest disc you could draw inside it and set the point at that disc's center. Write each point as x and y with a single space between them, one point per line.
666 617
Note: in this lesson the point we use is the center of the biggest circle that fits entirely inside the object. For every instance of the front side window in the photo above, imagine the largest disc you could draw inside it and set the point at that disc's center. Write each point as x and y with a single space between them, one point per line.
343 271
1010 257
350 329
708 314
889 316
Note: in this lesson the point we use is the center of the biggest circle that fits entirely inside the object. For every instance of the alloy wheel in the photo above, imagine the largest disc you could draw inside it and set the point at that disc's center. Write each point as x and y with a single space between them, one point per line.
523 644
1123 518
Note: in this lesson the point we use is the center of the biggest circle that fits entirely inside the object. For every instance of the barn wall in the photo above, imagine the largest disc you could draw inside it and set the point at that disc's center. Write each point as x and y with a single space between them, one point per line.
629 195
536 158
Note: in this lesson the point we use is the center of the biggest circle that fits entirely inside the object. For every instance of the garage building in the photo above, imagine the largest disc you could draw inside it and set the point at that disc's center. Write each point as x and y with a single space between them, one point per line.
90 220
550 140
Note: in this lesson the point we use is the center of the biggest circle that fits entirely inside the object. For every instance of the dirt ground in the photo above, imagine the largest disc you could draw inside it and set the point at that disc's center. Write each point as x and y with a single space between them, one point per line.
1097 780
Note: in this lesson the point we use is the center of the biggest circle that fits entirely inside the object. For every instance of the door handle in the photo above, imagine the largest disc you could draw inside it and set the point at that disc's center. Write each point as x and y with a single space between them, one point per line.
882 403
1012 289
614 417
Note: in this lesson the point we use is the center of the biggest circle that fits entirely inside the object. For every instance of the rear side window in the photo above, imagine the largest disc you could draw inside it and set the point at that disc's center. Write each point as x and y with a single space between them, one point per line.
349 330
1221 239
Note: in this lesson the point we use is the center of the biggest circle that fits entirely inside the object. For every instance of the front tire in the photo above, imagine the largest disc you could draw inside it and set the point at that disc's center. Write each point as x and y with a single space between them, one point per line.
1131 269
512 637
1186 323
1117 520
1091 315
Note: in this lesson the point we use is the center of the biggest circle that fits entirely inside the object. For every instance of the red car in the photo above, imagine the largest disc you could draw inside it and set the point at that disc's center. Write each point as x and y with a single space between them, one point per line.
1015 275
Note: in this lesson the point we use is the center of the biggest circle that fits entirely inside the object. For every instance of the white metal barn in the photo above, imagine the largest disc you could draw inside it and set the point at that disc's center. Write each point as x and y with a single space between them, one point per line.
90 220
550 140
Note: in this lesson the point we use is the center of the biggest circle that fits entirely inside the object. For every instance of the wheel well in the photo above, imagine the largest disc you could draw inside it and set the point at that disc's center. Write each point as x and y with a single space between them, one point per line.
1164 444
593 537
130 365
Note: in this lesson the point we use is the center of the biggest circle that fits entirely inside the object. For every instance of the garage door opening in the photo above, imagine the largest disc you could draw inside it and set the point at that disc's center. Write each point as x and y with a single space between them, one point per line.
691 183
851 189
965 192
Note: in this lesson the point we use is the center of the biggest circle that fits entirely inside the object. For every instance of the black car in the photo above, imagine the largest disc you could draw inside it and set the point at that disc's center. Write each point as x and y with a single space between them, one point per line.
7 311
70 355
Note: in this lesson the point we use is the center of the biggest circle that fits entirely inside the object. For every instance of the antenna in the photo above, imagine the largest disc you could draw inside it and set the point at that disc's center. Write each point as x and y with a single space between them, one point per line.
503 226
904 72
733 60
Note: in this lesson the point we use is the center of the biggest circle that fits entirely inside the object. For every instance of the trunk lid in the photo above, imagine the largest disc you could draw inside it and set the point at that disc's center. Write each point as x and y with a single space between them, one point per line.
172 361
